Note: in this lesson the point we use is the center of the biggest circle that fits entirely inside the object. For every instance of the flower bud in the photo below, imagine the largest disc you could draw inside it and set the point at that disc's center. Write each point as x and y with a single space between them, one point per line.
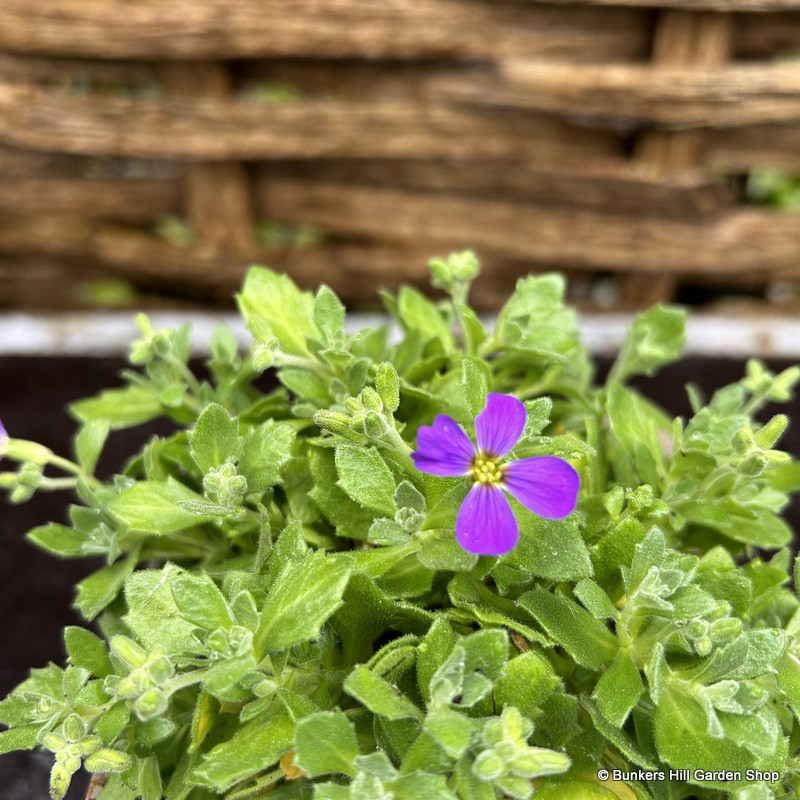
160 669
769 434
537 761
73 728
107 760
743 441
130 653
60 778
375 426
488 766
263 357
370 399
150 704
753 464
387 383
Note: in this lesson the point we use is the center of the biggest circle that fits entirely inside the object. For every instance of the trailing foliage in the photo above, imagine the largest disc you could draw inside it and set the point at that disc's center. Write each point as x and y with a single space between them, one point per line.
285 611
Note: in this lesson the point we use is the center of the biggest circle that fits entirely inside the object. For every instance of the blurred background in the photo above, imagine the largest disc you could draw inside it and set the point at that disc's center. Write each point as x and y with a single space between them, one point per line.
150 151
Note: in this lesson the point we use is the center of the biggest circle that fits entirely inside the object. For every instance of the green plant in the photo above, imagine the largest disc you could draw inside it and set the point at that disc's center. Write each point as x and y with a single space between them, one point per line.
286 613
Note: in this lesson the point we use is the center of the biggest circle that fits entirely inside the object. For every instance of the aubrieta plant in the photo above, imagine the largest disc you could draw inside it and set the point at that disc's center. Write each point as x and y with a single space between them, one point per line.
328 591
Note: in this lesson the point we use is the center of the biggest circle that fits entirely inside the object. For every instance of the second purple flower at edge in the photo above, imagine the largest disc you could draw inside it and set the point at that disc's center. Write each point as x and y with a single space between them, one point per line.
547 485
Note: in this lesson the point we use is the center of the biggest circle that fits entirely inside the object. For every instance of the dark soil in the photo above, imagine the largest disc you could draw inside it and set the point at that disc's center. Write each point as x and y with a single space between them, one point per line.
36 589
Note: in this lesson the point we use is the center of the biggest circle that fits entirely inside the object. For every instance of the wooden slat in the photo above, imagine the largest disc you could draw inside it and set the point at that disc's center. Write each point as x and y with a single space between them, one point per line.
754 147
121 200
641 93
741 240
226 130
766 35
615 185
761 6
220 29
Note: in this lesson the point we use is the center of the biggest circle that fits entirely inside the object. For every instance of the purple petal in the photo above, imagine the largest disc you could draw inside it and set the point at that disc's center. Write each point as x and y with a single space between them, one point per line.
499 426
486 523
3 438
547 485
443 448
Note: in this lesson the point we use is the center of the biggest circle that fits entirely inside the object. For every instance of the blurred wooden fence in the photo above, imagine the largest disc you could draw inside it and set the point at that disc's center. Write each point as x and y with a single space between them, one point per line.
347 141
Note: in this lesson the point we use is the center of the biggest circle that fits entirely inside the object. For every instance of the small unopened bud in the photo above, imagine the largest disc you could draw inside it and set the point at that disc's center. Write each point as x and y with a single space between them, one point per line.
387 383
60 778
160 669
743 441
107 760
151 704
768 435
488 766
74 728
375 426
754 464
536 761
128 651
24 450
370 399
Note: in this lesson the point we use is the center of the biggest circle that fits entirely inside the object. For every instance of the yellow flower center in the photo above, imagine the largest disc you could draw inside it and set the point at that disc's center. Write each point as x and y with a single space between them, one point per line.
485 469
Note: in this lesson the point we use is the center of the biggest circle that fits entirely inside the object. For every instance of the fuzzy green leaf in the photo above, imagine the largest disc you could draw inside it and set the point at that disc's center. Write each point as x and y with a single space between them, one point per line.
326 742
299 602
364 476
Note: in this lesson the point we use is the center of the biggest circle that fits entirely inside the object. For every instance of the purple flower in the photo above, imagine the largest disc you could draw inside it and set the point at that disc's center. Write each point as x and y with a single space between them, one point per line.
3 438
547 485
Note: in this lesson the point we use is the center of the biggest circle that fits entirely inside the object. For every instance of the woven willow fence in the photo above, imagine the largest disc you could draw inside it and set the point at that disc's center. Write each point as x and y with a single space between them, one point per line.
346 141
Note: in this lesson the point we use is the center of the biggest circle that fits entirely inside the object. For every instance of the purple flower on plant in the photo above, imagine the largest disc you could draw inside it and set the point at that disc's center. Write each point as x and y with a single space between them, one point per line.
3 438
547 485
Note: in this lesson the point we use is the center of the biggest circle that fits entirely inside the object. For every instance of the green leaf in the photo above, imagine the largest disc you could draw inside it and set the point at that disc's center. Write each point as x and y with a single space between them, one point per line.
111 723
22 738
619 688
153 616
273 306
328 313
266 451
655 338
595 600
89 443
550 548
364 476
379 696
120 408
684 742
100 588
153 507
586 639
200 602
467 592
432 652
326 742
452 730
418 313
635 425
253 748
474 385
302 598
215 438
150 785
58 539
87 650
525 682
347 516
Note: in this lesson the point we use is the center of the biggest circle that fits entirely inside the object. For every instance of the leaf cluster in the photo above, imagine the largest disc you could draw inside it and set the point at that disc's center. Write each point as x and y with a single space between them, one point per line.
284 611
